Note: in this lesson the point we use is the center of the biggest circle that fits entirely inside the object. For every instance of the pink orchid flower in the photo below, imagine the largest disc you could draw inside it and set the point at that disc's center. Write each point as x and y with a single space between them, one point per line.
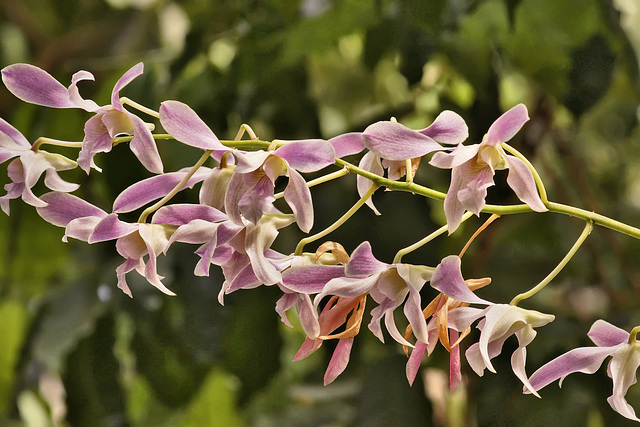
474 166
391 144
28 167
622 369
34 85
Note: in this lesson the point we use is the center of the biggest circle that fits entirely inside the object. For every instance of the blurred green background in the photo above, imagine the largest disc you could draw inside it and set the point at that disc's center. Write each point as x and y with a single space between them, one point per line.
75 351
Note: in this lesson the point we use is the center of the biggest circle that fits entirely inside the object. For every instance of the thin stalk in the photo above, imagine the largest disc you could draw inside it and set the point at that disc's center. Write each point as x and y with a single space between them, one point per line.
338 223
139 107
50 141
321 180
427 239
165 199
585 233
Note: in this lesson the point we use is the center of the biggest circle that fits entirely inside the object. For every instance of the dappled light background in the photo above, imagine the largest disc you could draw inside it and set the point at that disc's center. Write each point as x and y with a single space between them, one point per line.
74 350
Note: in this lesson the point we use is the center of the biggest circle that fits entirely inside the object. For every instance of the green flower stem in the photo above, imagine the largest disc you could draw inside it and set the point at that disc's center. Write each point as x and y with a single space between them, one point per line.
165 199
424 241
536 176
585 233
149 111
338 223
380 181
122 139
326 178
50 141
633 335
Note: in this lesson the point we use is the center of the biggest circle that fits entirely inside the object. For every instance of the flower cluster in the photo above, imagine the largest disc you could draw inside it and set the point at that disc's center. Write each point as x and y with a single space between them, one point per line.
236 221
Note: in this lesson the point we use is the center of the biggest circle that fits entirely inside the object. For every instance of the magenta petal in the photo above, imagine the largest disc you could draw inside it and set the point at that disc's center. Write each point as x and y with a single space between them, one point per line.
415 359
507 125
96 140
144 146
111 228
604 334
447 278
62 208
347 144
339 360
447 128
298 197
520 179
310 279
307 155
472 195
184 125
393 141
155 187
34 85
363 263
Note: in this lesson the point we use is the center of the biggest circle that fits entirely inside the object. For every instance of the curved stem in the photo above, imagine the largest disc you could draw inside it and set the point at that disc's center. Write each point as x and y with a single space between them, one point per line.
633 335
126 101
402 252
320 180
178 187
585 233
338 223
50 141
536 176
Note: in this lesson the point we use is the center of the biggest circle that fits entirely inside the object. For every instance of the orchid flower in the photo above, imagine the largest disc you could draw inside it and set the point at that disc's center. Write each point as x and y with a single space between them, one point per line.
391 144
389 285
26 169
250 192
474 166
34 85
498 321
610 341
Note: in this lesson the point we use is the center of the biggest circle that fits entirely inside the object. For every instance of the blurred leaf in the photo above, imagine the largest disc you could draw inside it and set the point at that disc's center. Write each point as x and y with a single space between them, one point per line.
14 320
214 405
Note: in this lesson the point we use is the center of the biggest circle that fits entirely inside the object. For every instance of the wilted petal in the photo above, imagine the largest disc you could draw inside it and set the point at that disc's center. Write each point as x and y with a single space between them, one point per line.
339 360
447 128
393 141
307 155
521 181
447 278
507 125
184 125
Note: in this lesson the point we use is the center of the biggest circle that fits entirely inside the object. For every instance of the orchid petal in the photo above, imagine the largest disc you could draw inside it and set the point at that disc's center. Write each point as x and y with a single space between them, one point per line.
622 370
472 195
126 78
447 128
363 263
307 155
298 197
347 144
184 125
453 209
447 278
183 213
460 155
414 362
518 358
34 85
339 360
14 134
258 239
110 228
371 163
144 146
604 334
310 278
521 181
507 125
62 208
81 228
393 141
